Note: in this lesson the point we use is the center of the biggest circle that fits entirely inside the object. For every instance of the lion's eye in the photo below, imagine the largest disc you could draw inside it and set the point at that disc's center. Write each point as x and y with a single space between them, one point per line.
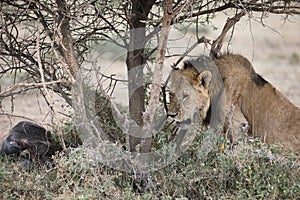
185 96
171 96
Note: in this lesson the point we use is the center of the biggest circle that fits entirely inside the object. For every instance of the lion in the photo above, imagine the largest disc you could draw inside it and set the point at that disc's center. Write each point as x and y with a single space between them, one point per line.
186 87
193 83
270 114
248 96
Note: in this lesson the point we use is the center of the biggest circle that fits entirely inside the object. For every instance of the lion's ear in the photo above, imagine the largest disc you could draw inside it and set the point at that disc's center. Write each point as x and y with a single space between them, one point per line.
204 78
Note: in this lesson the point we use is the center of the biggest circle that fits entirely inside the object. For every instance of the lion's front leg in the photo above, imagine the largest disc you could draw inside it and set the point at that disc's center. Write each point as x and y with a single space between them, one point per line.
235 122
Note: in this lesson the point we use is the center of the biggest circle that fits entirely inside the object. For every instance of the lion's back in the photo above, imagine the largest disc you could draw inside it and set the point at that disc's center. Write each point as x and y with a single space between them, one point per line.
270 114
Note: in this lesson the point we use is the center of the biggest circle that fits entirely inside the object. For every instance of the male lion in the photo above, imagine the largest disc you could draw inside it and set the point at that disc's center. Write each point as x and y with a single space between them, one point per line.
269 114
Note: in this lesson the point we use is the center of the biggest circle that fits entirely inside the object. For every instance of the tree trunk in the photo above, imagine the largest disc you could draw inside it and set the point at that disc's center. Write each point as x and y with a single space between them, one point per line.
87 131
135 64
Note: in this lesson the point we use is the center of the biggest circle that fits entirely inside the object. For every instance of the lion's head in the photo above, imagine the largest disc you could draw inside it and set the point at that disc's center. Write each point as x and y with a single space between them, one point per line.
189 93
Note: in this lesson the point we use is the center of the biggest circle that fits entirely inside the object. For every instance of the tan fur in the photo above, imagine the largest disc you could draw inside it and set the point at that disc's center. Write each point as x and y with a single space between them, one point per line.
185 87
213 97
270 115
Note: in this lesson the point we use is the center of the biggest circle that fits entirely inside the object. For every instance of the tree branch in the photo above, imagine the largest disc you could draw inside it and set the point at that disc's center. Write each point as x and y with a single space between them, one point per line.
217 44
25 85
157 75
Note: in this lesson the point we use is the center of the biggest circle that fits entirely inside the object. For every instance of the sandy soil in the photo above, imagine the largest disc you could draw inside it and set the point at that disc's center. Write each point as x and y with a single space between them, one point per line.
274 54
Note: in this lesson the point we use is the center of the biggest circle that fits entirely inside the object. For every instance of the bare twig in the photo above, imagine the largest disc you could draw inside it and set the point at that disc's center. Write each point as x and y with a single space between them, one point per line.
199 41
217 44
16 116
24 85
39 60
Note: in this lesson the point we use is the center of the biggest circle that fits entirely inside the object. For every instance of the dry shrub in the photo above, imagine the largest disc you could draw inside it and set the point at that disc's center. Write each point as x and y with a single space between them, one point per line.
252 170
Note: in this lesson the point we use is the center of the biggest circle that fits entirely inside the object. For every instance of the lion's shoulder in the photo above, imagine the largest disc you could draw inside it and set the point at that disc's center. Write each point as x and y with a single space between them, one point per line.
235 63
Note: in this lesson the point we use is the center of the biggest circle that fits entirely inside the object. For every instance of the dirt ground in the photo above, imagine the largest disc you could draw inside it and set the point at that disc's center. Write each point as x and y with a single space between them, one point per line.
274 50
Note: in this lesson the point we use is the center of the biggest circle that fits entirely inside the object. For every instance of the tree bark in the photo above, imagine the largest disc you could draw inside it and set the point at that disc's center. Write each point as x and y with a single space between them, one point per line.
87 131
135 62
66 42
157 76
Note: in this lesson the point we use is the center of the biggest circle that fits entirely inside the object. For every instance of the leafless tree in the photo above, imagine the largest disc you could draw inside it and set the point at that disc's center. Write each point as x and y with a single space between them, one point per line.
50 40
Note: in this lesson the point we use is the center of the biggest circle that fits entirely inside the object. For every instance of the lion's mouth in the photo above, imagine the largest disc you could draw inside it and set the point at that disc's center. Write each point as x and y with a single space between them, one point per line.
184 122
172 115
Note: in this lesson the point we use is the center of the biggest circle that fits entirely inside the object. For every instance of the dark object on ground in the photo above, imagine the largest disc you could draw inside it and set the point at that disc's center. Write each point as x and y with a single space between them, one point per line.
31 138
